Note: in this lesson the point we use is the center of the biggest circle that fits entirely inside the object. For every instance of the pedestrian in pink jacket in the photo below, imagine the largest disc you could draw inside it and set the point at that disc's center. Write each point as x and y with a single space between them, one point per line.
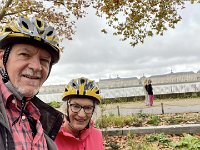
78 132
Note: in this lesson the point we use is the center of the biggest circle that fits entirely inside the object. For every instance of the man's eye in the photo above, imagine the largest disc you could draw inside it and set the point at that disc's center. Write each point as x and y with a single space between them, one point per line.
24 54
46 60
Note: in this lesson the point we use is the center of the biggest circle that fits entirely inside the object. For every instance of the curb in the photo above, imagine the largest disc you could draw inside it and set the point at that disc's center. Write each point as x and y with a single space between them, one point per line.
171 129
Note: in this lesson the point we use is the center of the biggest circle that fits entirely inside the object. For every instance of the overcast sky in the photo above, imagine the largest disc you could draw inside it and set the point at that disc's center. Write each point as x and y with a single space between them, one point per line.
101 56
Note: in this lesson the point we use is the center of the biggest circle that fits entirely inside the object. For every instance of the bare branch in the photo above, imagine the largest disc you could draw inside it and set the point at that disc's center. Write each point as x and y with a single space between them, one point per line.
13 13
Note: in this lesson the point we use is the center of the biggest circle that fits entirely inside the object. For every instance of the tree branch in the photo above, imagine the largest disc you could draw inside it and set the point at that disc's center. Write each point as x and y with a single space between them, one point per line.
58 2
3 10
8 14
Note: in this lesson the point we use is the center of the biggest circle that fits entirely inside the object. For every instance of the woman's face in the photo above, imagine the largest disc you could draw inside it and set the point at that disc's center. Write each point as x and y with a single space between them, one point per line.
80 112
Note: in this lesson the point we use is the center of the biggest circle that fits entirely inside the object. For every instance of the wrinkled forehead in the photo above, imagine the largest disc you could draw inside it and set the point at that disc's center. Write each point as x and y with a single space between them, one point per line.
31 49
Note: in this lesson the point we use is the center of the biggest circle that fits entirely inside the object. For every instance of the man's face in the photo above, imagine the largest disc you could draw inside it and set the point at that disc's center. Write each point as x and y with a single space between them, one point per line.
80 119
28 68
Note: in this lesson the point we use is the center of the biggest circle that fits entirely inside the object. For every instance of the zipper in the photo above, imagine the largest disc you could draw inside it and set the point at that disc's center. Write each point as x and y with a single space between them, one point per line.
6 139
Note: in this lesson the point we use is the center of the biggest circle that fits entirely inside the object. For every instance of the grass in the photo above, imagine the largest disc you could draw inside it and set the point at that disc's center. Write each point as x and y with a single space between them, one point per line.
141 119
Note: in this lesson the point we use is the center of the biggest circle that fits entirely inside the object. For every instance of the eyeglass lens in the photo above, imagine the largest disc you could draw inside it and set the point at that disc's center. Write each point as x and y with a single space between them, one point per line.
76 108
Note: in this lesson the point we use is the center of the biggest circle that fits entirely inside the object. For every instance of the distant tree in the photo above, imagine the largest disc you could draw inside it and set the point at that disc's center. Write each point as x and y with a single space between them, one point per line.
130 19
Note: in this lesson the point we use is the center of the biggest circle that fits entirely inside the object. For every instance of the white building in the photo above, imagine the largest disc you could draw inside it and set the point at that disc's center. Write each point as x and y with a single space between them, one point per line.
180 82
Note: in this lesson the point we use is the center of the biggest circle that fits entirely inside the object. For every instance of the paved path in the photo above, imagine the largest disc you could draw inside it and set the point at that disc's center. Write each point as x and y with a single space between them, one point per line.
164 106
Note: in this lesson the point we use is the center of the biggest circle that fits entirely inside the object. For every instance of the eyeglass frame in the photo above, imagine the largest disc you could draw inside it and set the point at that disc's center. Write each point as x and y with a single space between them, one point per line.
81 107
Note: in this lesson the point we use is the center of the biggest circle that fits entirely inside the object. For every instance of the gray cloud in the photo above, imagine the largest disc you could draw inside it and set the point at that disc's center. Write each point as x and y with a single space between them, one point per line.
95 55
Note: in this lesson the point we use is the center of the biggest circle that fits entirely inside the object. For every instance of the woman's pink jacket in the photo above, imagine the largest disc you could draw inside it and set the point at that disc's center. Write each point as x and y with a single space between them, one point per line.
90 139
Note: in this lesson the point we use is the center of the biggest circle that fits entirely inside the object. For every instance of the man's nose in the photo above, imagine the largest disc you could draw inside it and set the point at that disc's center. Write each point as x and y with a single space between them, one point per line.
35 64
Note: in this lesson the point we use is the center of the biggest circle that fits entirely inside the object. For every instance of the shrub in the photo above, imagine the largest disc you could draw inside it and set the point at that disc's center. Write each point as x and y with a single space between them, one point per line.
154 120
188 142
55 104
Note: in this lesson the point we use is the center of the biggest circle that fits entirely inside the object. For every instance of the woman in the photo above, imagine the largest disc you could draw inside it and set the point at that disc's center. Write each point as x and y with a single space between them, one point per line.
150 92
77 132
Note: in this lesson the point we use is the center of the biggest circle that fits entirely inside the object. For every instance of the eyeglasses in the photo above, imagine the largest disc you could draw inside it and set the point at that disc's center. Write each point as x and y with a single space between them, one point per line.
76 108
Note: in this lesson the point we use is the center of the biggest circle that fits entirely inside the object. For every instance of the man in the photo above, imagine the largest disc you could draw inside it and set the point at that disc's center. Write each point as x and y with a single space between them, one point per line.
28 49
78 131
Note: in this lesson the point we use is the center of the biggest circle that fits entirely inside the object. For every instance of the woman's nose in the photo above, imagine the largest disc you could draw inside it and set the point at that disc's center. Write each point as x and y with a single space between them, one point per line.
82 113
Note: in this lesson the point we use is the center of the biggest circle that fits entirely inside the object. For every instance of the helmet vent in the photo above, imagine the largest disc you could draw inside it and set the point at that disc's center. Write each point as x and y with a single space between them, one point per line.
90 85
49 33
97 92
25 25
74 85
82 81
8 29
39 23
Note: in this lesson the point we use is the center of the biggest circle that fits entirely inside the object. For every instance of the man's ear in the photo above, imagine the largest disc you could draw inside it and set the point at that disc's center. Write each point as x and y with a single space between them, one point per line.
1 58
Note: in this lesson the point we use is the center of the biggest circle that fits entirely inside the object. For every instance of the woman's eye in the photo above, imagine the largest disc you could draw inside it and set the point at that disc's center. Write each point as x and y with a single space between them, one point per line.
88 107
76 106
